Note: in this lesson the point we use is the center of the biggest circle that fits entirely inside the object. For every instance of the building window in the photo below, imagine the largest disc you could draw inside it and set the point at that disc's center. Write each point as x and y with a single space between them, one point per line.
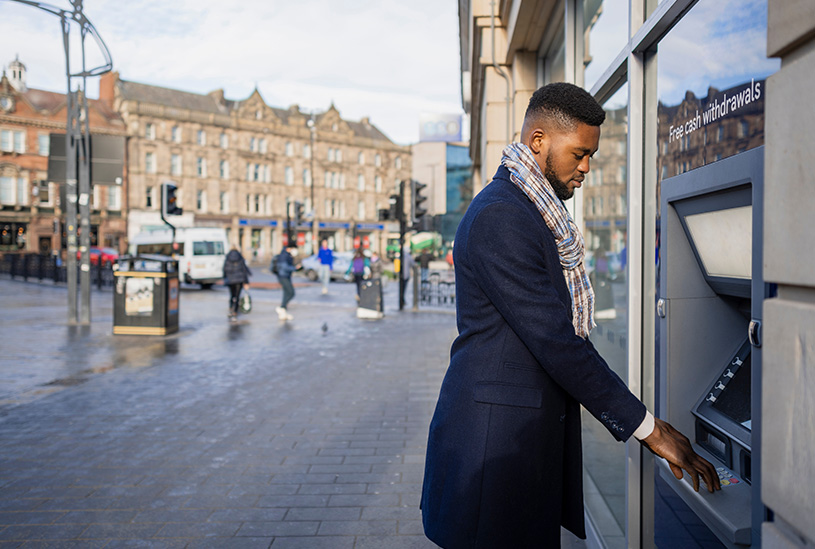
149 162
257 203
12 141
720 133
361 158
175 134
224 140
306 151
150 131
262 146
44 193
224 202
8 189
377 160
744 128
327 180
338 153
253 144
175 164
248 203
361 209
289 149
200 201
43 143
289 175
330 154
148 198
378 183
223 169
202 137
306 177
114 198
256 173
398 163
361 182
201 166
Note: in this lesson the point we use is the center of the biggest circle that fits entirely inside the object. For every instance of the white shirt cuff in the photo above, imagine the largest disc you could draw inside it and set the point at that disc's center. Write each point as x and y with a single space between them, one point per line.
646 427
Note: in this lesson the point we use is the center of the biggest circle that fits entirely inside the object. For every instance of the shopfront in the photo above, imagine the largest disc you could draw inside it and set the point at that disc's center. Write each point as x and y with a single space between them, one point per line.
686 86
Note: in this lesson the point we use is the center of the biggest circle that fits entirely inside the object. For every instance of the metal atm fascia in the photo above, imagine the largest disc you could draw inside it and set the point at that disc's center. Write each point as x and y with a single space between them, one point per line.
703 322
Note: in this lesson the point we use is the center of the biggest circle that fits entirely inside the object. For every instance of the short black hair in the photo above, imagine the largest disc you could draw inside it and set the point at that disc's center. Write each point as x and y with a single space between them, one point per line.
565 104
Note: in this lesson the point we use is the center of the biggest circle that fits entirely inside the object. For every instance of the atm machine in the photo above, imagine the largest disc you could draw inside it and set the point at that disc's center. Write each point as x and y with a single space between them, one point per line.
709 313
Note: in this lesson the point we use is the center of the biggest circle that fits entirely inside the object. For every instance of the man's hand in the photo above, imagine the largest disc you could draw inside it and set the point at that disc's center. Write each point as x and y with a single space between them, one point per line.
666 442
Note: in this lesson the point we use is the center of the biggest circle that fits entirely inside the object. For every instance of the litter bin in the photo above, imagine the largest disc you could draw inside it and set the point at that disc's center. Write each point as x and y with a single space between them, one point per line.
370 299
146 295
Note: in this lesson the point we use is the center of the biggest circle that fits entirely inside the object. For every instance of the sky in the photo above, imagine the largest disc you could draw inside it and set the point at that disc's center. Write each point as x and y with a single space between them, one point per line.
388 60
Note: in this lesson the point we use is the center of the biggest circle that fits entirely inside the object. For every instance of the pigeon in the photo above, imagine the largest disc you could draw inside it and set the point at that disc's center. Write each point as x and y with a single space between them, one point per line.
324 328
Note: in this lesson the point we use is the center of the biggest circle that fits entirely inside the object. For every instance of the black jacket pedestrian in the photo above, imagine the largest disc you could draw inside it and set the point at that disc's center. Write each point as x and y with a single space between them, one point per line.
235 269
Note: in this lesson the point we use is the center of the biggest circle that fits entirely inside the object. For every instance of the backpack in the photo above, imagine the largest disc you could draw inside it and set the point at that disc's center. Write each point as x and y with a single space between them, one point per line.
275 261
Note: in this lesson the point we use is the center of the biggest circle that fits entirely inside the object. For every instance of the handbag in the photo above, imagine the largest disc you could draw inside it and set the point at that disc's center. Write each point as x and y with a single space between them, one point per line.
245 302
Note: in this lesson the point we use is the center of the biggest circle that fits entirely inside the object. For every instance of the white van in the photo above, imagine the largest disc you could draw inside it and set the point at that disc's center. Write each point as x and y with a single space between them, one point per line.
200 252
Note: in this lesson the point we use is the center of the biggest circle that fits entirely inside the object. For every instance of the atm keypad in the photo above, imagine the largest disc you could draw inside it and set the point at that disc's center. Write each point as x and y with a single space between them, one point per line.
726 477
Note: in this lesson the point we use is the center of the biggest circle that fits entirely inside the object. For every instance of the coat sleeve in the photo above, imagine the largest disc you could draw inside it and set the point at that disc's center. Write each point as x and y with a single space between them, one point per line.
506 251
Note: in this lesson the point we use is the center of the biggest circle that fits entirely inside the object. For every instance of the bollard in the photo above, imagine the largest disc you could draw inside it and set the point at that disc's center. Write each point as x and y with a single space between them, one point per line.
415 288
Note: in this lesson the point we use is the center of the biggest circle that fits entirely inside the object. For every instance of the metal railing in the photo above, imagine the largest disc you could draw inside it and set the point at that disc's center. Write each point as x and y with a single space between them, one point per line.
31 267
437 289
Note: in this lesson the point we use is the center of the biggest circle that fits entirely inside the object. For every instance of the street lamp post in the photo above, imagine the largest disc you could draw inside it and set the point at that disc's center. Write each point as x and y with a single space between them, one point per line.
313 131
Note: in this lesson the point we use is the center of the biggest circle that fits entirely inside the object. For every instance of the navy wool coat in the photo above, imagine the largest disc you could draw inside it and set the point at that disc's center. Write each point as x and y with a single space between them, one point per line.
504 459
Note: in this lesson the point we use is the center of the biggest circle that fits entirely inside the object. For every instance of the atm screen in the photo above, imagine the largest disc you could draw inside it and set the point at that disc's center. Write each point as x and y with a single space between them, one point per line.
734 400
724 239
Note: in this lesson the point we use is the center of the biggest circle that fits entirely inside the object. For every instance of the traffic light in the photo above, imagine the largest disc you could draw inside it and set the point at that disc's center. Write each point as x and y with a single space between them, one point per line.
298 213
384 214
169 200
417 210
396 211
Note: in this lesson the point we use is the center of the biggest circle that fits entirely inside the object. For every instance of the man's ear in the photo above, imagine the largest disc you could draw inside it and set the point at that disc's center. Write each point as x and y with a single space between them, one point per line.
538 141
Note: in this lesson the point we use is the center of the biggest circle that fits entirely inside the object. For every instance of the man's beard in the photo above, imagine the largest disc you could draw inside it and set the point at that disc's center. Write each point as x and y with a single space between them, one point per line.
562 191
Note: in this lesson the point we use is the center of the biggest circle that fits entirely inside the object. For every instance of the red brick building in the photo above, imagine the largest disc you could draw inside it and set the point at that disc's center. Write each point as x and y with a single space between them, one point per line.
29 203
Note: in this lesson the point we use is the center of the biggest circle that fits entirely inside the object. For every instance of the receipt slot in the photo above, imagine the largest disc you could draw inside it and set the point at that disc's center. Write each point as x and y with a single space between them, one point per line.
709 313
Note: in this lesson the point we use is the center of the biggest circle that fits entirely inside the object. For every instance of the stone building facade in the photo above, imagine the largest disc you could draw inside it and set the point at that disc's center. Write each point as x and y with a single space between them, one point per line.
242 164
30 209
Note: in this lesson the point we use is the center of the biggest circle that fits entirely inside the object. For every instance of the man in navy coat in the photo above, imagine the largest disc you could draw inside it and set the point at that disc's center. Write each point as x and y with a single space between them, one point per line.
503 464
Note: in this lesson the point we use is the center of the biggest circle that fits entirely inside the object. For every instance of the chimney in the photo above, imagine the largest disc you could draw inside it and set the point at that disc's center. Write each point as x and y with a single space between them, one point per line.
107 84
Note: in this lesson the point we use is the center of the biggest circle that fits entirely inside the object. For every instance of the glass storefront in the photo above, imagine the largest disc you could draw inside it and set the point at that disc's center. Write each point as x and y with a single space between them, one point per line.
605 26
711 83
605 231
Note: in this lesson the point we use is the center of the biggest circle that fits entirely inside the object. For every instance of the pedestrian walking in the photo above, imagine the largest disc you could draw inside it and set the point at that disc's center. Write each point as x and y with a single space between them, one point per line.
503 465
284 267
236 277
359 268
377 269
326 256
377 266
424 263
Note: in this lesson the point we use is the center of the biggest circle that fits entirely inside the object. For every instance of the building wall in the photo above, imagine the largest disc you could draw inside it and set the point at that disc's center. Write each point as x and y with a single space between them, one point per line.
788 447
37 113
267 155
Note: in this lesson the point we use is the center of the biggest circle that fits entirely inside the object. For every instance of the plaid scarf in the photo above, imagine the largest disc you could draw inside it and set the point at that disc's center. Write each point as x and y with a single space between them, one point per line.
526 174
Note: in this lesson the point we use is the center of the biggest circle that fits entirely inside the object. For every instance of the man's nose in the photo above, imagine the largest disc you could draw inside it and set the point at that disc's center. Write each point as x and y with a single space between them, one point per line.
584 167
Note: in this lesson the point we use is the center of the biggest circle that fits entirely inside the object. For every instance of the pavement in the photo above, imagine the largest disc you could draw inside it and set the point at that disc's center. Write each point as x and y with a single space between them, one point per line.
260 433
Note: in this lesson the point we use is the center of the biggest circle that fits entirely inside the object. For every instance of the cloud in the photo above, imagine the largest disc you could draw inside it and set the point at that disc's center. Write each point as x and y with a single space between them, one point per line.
365 55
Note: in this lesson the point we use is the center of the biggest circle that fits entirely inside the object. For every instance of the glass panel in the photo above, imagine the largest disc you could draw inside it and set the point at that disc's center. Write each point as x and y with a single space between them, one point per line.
712 74
605 232
605 33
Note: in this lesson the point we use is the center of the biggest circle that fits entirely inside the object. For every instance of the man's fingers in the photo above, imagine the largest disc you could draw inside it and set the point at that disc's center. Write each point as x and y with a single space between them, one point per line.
676 470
